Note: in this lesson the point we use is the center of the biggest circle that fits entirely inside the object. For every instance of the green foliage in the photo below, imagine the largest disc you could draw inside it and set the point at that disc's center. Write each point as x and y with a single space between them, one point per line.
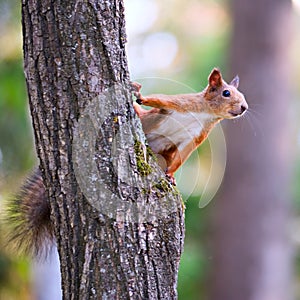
195 262
14 275
16 141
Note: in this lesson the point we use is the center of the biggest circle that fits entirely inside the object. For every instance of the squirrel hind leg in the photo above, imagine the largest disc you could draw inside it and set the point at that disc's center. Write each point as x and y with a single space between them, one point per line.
171 178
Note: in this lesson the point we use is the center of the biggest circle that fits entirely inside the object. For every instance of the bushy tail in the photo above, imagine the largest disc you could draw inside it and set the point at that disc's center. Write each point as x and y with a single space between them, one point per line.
28 217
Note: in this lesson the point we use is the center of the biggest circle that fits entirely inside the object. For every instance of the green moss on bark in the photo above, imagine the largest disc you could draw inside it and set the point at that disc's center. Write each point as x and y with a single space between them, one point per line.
142 158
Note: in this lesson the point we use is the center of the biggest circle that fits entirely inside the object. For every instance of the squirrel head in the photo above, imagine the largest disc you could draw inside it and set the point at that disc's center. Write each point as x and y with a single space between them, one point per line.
223 99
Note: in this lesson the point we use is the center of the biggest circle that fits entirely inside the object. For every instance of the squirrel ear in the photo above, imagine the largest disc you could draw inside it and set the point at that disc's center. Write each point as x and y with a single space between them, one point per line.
235 81
215 78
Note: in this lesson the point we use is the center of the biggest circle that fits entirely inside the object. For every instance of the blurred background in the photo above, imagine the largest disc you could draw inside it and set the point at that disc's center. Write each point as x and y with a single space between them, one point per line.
245 244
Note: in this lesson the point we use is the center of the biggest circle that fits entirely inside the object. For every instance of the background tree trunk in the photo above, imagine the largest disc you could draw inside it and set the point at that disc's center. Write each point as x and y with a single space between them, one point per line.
252 252
74 51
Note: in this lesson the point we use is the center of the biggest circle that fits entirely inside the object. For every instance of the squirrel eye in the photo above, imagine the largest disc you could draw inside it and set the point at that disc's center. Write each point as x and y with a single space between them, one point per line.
226 93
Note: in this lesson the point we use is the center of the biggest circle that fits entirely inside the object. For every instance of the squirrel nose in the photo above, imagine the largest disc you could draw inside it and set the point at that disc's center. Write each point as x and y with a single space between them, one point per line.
243 108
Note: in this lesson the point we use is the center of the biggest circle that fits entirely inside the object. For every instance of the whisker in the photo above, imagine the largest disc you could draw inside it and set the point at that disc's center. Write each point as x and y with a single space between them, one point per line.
250 123
255 105
255 112
254 123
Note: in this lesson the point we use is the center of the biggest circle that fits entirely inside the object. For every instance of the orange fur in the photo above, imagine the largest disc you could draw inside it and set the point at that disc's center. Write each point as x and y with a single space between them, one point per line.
178 124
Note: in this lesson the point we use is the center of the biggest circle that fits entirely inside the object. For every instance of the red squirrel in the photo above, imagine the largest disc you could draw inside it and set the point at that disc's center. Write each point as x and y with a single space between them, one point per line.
178 124
174 127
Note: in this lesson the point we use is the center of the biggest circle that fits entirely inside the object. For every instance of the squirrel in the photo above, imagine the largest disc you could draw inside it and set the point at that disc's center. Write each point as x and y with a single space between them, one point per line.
178 124
174 127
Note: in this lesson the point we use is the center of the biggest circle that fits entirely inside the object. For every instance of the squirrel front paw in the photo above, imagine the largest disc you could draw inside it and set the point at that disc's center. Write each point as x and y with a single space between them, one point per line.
136 87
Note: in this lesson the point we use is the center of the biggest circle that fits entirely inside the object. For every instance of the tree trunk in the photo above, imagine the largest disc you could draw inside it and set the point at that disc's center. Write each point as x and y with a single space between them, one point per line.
118 223
252 252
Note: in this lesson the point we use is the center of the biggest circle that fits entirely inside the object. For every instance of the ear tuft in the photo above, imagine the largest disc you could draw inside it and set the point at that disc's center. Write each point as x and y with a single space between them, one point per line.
215 78
235 81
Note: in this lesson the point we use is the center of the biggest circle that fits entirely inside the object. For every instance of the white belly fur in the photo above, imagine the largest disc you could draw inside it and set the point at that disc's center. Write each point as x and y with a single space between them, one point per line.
177 128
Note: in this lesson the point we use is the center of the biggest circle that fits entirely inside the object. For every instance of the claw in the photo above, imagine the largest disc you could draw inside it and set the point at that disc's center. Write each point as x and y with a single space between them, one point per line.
171 178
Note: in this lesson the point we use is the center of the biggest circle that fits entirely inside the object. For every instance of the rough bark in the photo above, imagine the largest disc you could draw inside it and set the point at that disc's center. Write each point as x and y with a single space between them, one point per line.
252 252
74 51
